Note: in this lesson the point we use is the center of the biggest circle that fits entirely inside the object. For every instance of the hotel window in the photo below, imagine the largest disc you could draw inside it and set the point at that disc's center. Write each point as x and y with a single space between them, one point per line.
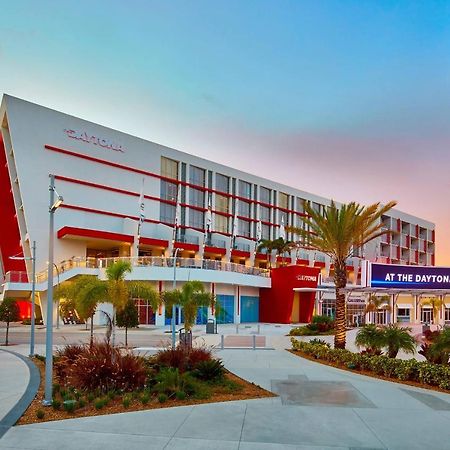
196 219
265 232
316 207
283 201
264 213
220 223
403 315
243 228
196 197
264 195
245 189
221 203
169 191
244 209
300 204
447 315
169 168
222 183
426 315
167 213
196 176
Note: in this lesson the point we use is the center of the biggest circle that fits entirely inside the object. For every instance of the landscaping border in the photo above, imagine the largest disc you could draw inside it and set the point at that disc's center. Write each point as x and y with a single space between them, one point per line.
27 397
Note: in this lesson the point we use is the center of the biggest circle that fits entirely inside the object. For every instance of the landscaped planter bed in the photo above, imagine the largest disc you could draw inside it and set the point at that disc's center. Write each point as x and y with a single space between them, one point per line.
410 372
228 388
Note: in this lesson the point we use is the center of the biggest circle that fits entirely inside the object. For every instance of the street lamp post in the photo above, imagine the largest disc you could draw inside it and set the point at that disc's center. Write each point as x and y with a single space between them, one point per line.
57 301
53 206
33 292
174 287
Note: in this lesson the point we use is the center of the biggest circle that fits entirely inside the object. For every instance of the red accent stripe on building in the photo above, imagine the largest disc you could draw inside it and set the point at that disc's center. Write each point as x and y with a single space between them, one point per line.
94 234
240 253
10 234
186 246
154 242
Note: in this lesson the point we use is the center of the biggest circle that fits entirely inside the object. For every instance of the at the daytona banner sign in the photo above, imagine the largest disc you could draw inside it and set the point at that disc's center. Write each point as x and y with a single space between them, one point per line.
409 277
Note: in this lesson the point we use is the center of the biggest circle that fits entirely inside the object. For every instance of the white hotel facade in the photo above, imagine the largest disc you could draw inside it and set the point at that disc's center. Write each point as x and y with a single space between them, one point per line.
100 173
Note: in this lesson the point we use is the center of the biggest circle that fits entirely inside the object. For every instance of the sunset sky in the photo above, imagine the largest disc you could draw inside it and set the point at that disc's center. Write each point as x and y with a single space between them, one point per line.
346 99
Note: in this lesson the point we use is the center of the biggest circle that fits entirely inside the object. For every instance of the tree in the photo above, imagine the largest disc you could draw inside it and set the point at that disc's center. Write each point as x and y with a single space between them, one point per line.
128 318
9 312
339 232
281 247
269 246
375 303
397 338
191 297
89 292
440 348
371 337
66 292
117 289
436 304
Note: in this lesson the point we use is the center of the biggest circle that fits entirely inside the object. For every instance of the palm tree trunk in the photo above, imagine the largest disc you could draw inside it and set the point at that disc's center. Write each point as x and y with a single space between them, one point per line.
7 333
340 281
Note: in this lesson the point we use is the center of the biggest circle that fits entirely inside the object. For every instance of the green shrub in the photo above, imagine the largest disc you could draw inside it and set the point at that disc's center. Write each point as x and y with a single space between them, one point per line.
232 386
212 370
145 398
90 397
99 403
317 341
111 394
69 405
162 398
169 381
126 401
40 414
180 395
300 331
81 403
56 388
56 404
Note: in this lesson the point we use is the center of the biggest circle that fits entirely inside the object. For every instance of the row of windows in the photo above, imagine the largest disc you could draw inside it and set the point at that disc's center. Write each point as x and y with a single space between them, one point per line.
197 176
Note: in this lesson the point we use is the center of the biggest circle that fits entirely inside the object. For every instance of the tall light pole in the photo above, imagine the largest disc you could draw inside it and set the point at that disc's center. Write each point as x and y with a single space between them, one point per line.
33 292
57 304
174 287
53 206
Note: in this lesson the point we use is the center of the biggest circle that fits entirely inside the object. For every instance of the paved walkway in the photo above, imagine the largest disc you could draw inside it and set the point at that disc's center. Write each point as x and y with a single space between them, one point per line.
319 407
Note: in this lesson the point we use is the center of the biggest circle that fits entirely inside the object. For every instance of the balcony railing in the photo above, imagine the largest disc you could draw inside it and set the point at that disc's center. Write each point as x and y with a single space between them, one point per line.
138 261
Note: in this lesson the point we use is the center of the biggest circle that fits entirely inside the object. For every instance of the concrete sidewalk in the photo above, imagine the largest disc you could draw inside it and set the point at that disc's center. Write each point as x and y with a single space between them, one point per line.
319 407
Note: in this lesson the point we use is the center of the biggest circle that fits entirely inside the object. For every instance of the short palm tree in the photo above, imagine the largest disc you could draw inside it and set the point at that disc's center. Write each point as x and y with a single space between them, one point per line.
436 304
376 303
269 246
117 289
371 337
397 338
282 246
440 348
191 297
339 232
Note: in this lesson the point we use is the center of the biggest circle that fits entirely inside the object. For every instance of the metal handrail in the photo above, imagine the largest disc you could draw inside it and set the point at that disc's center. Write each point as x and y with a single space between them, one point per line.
138 261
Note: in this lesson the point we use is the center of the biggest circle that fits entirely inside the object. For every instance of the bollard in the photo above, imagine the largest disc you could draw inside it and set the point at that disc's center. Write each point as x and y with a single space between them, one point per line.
254 342
259 328
222 341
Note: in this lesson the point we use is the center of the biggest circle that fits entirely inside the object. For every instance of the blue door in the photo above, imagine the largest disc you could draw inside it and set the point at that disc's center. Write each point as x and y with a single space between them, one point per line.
202 315
168 320
249 309
226 309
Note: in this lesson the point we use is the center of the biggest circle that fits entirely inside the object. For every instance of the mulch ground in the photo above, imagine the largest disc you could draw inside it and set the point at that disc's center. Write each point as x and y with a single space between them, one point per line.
367 372
219 393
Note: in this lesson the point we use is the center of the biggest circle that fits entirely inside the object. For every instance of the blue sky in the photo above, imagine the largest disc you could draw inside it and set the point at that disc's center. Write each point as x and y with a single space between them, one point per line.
362 85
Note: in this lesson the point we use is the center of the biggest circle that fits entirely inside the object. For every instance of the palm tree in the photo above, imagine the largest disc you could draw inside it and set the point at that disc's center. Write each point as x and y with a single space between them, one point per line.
89 292
436 304
371 337
375 303
397 338
281 246
440 348
339 232
269 246
191 297
117 289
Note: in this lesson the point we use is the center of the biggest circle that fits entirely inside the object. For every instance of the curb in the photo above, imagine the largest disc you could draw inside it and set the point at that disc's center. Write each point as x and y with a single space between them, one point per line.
30 392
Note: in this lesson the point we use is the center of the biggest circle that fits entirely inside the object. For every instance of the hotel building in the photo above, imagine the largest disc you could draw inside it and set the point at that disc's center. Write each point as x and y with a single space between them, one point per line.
101 174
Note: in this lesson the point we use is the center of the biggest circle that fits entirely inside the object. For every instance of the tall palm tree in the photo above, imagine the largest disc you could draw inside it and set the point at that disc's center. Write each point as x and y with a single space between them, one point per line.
339 232
117 289
397 338
375 303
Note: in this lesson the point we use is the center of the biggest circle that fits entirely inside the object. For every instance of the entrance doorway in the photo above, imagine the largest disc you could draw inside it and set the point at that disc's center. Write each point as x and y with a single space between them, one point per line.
426 315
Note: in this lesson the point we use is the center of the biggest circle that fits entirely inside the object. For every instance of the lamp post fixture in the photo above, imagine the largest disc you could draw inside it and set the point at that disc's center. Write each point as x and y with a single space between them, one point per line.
53 206
32 258
174 287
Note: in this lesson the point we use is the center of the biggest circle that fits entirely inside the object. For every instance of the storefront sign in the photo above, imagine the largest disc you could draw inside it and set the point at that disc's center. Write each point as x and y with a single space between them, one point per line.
95 140
409 277
306 278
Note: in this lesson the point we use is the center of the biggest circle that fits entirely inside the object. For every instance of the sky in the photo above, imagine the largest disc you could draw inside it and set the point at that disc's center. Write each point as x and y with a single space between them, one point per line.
346 99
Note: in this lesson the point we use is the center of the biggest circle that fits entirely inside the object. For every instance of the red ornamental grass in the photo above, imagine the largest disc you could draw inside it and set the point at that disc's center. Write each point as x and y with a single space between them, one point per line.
183 358
106 368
